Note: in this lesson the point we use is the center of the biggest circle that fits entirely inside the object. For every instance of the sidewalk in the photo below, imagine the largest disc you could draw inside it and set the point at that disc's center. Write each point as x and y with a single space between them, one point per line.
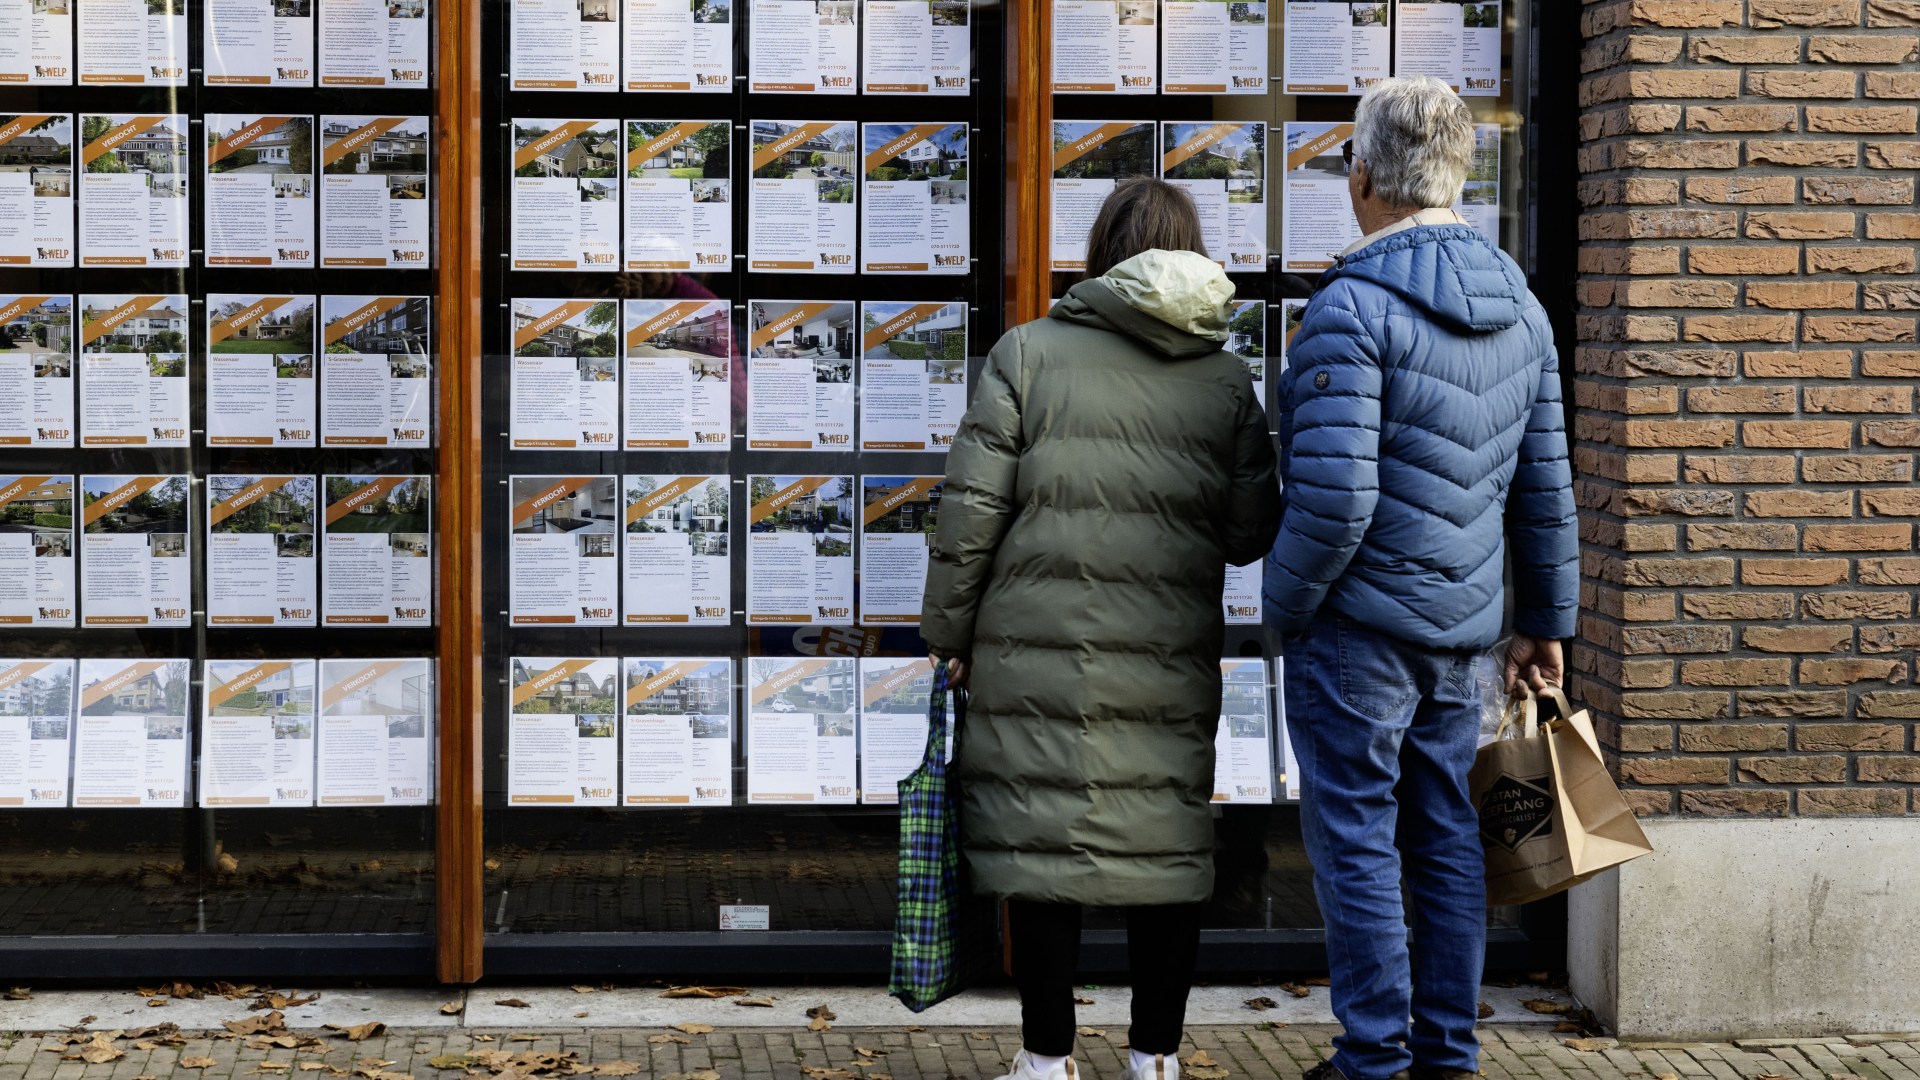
405 1034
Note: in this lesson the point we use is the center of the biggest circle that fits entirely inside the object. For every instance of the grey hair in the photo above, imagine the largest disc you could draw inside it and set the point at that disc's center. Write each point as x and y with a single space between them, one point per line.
1416 136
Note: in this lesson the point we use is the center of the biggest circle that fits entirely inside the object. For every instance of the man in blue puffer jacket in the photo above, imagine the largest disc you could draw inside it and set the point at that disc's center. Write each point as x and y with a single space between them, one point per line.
1422 448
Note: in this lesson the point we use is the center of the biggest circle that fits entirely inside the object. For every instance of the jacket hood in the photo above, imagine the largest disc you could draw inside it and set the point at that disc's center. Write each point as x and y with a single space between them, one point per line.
1451 272
1176 303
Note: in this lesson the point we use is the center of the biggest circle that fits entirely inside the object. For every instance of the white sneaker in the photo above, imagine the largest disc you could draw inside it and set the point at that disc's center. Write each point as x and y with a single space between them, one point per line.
1023 1069
1164 1067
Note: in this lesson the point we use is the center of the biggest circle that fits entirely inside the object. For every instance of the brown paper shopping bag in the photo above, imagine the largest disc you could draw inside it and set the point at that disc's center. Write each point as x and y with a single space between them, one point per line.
1550 815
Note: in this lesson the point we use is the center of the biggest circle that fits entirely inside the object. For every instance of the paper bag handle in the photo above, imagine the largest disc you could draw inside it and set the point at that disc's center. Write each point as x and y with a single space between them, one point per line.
1523 712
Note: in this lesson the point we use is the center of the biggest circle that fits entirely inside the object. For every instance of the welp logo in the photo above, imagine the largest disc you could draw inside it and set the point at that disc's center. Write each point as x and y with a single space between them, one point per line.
1514 811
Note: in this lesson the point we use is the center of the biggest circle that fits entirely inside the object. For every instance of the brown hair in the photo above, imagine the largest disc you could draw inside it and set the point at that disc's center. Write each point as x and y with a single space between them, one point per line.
1142 214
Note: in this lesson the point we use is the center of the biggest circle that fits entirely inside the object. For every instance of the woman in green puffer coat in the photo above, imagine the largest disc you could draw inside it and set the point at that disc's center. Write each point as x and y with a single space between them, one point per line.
1113 462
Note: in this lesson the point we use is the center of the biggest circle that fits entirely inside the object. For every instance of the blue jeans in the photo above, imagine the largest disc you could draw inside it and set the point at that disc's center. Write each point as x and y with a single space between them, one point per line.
1384 733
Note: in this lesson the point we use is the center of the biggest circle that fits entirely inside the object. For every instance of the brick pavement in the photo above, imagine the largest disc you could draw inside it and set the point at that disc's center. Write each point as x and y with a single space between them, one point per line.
1247 1052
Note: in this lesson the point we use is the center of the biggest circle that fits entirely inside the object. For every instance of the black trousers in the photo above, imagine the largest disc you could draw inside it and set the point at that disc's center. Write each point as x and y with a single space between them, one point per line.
1162 943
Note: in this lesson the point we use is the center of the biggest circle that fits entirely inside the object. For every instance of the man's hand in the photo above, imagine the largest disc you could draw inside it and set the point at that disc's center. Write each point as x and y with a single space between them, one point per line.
956 672
1538 661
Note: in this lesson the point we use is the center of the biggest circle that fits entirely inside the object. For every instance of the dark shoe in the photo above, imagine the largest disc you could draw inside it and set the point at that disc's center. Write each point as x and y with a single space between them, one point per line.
1326 1070
1443 1074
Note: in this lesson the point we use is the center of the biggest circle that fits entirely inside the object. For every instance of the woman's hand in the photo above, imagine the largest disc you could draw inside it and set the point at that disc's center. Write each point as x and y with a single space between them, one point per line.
956 672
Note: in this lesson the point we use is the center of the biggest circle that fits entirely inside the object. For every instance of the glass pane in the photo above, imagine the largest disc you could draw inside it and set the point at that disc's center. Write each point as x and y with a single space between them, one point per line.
231 341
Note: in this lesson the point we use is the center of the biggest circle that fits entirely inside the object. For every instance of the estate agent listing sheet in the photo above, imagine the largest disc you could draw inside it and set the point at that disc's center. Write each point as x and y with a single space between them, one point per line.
374 199
36 42
800 375
1213 47
897 525
1104 46
36 551
257 42
380 43
1335 46
679 203
1243 743
260 385
1223 168
133 190
374 744
564 45
133 42
36 190
1455 41
913 374
256 733
376 371
562 746
802 46
136 551
376 543
675 558
562 569
130 745
800 550
800 730
915 196
565 381
801 210
673 45
1089 156
36 732
678 377
676 732
36 374
916 47
895 694
259 191
566 195
260 557
133 370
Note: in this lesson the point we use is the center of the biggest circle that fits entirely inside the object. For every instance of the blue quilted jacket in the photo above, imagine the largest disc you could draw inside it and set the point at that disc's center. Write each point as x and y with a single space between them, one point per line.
1421 442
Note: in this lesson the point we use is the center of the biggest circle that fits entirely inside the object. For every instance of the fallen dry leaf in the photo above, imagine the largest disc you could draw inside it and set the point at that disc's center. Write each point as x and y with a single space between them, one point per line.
582 988
1091 1032
19 993
101 1050
1200 1065
254 1025
703 1074
312 1066
616 1068
755 1002
197 1063
373 1062
452 1061
274 999
523 1038
1486 1011
818 1024
1568 1027
1547 1008
1298 990
157 1003
1262 1004
513 1003
693 1029
703 991
360 1032
146 1076
980 1035
453 1008
274 1067
913 1027
866 1053
661 1040
579 1016
483 1038
1588 1046
1083 1001
821 1012
1317 980
84 1021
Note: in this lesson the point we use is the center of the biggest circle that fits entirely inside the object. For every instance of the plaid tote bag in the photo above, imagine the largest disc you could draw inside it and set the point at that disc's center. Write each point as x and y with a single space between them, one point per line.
926 931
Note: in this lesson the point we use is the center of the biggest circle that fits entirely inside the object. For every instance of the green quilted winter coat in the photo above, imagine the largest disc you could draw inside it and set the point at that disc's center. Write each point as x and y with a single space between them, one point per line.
1113 461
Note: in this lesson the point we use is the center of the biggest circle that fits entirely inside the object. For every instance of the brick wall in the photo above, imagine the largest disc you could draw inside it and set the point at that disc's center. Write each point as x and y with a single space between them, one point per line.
1746 430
